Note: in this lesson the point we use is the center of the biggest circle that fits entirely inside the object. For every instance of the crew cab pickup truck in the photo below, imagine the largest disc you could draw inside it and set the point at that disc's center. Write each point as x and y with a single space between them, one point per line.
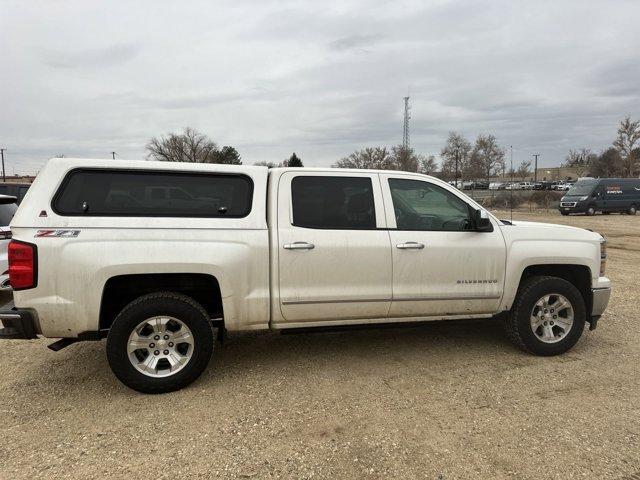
159 258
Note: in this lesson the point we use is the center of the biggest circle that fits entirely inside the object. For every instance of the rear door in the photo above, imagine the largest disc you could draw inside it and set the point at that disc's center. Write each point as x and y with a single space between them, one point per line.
334 255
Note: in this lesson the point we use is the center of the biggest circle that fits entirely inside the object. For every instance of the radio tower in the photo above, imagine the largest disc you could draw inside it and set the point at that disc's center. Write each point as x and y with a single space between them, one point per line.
406 144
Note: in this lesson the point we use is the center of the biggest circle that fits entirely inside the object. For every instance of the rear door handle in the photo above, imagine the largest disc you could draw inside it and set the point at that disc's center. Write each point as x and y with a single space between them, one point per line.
299 246
410 245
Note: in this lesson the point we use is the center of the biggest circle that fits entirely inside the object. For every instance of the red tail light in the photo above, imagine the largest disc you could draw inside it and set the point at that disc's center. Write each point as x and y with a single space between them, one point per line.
23 265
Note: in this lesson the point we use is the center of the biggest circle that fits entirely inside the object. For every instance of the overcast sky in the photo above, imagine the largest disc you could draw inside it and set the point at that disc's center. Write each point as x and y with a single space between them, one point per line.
84 78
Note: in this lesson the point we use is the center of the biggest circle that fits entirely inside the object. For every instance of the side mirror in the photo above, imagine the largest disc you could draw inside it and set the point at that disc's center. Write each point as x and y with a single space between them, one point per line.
481 221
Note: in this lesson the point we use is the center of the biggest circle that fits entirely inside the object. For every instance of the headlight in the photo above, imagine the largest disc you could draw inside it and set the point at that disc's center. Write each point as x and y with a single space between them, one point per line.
603 256
582 199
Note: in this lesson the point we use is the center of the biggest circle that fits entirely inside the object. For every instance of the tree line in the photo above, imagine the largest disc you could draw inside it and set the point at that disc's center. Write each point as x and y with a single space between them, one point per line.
195 147
460 159
621 159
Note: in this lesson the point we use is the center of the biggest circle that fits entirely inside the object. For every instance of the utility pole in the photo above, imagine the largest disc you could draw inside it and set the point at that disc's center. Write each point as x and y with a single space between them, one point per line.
4 178
535 169
406 144
113 155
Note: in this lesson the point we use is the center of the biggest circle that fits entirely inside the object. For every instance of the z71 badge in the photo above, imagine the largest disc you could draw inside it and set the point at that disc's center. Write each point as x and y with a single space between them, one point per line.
58 233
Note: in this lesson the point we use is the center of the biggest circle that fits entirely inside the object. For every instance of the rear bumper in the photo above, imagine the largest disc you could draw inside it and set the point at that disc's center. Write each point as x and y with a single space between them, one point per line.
17 323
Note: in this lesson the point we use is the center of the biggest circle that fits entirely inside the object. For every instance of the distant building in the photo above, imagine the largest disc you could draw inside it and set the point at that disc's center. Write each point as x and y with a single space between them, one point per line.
19 178
561 173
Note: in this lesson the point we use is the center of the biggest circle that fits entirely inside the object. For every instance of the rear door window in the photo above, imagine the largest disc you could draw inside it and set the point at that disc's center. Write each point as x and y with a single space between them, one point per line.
95 192
333 202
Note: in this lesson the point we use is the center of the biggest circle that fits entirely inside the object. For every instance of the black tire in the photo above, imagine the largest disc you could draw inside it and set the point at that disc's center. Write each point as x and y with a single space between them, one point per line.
518 323
564 214
606 213
170 304
632 210
591 210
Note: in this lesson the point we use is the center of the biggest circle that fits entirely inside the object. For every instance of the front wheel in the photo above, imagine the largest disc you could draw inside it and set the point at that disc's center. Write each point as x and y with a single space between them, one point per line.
160 342
632 210
547 317
591 210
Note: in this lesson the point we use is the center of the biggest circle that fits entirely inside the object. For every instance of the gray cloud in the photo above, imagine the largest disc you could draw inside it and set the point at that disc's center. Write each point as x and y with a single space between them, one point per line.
91 58
277 76
354 41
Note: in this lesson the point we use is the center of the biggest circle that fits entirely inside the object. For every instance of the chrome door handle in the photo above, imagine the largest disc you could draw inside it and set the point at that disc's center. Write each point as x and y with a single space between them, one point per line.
299 246
410 245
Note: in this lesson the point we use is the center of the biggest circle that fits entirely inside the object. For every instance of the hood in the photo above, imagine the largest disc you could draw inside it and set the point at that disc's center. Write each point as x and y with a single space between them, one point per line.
562 231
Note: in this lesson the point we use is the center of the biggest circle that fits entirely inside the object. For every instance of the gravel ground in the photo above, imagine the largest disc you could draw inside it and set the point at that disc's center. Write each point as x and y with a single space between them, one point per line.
437 401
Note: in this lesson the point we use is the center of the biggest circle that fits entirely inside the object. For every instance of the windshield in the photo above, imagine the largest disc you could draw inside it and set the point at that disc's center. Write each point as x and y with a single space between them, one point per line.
583 187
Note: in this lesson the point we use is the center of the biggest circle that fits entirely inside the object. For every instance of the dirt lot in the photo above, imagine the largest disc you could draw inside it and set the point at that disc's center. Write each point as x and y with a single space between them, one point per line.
439 400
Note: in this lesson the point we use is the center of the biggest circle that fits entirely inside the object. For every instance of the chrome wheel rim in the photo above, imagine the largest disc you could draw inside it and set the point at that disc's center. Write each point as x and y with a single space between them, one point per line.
552 318
160 346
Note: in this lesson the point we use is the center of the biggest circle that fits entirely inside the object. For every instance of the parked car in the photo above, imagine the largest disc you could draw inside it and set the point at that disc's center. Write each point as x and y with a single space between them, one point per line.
286 248
606 195
8 208
497 186
537 186
18 190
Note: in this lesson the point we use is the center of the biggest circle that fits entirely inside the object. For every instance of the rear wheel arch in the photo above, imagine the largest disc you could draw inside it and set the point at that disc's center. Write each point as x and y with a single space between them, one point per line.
120 290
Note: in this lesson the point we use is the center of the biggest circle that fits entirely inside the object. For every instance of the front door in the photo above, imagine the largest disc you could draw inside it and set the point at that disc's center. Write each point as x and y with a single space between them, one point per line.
441 266
334 255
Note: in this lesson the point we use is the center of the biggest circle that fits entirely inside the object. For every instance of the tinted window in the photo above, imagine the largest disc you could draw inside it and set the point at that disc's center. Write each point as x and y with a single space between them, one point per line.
423 206
342 203
7 210
159 194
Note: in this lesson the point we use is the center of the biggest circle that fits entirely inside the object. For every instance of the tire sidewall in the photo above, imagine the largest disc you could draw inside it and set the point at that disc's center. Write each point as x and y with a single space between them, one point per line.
142 309
526 304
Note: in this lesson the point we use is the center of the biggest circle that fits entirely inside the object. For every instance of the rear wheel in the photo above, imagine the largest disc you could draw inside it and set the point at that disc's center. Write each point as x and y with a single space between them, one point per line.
606 213
632 210
547 317
160 342
564 213
591 210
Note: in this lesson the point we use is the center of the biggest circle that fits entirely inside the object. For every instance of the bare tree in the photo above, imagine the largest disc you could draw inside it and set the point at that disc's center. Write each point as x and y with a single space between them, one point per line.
609 164
455 153
428 164
377 158
524 170
625 143
404 159
190 146
487 157
582 159
266 164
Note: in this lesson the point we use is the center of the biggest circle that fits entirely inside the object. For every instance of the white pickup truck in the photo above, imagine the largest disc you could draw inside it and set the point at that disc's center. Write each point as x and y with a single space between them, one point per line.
157 257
